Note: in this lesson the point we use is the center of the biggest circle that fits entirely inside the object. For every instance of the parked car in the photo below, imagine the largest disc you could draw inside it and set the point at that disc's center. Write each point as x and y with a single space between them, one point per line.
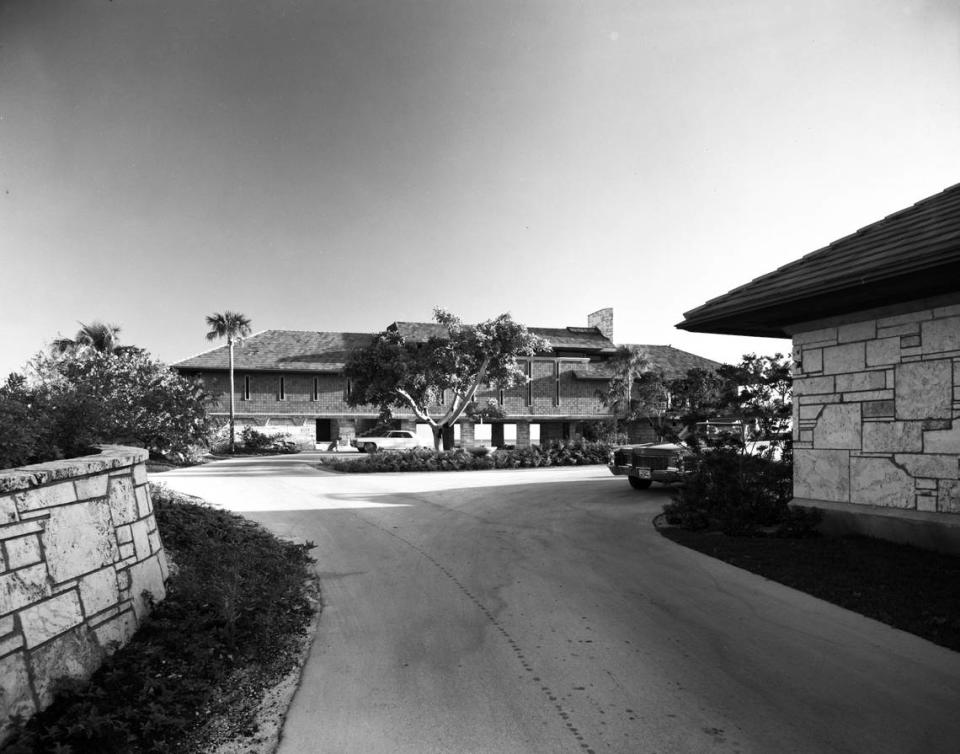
397 439
650 462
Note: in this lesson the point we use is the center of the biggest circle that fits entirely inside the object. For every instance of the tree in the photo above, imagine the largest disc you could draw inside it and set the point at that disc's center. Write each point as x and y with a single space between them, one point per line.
233 326
763 400
699 395
98 336
396 373
636 392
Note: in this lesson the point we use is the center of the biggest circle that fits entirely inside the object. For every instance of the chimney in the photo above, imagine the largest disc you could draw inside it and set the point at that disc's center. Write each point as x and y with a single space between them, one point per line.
603 321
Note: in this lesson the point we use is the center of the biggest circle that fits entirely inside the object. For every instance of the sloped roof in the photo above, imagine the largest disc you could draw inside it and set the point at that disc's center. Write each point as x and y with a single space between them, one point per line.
559 338
910 255
672 362
284 350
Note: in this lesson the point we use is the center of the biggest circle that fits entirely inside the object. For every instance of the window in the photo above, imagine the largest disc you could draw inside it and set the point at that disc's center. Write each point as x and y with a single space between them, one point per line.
349 389
529 382
245 395
281 390
556 380
501 397
316 388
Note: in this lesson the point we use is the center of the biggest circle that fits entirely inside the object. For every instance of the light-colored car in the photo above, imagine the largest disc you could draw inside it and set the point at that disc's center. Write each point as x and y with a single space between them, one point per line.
397 439
649 462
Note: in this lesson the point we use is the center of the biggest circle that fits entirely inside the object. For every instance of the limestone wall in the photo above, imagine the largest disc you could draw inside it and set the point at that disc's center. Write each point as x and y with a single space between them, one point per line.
877 412
79 546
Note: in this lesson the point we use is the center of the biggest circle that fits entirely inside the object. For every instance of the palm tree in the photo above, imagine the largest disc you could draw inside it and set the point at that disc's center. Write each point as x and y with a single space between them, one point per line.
97 336
232 326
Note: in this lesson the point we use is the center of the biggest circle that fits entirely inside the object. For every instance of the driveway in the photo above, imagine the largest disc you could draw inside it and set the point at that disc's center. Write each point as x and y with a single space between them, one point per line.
539 611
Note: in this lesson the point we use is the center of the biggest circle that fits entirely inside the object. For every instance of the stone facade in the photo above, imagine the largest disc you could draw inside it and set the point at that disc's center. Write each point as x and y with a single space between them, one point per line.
877 412
79 551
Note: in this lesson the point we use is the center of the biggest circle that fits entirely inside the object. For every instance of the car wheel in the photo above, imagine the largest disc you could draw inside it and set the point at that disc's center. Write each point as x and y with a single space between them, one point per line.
639 484
370 447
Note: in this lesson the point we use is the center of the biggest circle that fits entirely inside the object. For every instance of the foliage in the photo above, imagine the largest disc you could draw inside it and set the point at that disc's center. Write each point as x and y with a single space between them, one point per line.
605 432
701 394
233 326
475 459
98 336
395 373
254 442
236 601
738 493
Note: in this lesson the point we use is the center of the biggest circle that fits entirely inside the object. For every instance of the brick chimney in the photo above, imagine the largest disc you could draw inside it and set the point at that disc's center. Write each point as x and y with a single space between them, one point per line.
603 321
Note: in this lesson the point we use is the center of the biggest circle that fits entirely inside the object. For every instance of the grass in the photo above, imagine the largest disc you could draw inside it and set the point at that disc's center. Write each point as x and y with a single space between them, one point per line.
905 587
234 618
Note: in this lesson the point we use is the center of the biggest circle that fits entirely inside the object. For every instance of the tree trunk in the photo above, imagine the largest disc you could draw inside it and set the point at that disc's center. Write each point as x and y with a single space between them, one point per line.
437 436
233 446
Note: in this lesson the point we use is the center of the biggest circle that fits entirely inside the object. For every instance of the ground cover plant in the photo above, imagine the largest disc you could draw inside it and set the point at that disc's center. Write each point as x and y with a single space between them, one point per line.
236 611
911 589
477 459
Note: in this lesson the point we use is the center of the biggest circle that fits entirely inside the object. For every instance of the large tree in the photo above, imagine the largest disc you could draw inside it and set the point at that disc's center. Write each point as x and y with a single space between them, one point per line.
444 371
98 336
234 327
636 392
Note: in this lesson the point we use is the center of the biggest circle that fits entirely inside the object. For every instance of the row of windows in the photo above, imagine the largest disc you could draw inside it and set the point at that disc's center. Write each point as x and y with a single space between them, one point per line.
282 389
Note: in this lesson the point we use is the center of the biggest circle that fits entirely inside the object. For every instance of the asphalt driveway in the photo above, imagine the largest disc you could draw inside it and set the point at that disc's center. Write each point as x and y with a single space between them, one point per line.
539 611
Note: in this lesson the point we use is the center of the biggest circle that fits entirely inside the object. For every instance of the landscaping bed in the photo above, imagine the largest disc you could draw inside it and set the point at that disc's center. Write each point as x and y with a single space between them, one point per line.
234 625
905 587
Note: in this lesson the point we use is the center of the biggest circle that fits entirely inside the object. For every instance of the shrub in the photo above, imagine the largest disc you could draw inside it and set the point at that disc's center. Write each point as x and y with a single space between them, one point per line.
738 494
252 442
475 459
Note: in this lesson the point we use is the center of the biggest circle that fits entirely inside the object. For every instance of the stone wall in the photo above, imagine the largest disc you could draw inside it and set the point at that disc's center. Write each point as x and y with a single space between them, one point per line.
79 547
877 412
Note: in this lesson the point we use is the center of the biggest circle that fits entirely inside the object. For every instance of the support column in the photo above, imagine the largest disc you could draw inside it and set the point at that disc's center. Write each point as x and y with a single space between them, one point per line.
523 434
466 434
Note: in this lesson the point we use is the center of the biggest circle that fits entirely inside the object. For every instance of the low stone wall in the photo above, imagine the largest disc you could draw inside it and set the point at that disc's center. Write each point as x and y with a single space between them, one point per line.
79 550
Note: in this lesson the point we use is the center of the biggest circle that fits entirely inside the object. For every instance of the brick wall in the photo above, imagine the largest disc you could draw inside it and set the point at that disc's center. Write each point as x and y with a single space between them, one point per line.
78 547
877 412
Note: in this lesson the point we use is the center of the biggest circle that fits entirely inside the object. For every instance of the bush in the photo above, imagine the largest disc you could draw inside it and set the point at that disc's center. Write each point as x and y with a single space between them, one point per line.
475 459
252 442
237 601
739 494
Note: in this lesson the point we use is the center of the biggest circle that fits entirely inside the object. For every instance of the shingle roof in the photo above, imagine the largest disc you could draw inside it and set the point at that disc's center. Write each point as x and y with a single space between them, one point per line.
565 338
284 350
672 362
909 255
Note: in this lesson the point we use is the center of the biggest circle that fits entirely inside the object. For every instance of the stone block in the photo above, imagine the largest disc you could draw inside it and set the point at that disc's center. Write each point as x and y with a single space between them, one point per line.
857 331
902 319
810 411
926 484
123 502
143 501
898 331
23 551
943 441
46 497
879 481
822 475
824 335
22 587
141 538
838 427
951 310
98 591
861 381
52 617
94 486
941 335
927 502
79 539
75 655
9 645
8 509
145 576
7 625
139 474
15 693
892 437
116 631
924 390
850 357
812 360
124 534
877 409
155 544
928 465
948 496
909 342
127 551
868 395
805 386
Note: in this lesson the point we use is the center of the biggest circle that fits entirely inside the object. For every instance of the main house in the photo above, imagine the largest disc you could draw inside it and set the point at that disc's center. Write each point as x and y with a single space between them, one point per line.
293 381
875 323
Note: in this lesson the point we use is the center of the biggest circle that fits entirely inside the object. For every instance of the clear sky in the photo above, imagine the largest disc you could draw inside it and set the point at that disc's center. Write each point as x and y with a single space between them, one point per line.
341 164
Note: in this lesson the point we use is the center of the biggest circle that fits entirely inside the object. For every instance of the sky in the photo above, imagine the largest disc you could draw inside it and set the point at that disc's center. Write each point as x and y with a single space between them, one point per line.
343 164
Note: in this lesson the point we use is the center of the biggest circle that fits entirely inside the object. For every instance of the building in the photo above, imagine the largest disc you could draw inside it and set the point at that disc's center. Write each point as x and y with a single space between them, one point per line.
293 381
875 323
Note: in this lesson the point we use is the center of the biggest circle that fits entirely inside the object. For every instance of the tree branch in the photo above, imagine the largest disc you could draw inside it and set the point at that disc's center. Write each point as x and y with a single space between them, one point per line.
420 413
